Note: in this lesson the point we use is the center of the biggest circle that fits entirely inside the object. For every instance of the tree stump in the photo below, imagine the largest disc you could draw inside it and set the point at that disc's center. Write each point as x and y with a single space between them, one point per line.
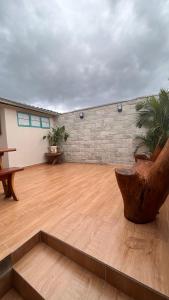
144 187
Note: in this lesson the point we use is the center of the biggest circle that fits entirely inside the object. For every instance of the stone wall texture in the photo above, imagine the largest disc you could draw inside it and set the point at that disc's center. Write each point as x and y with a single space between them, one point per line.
104 135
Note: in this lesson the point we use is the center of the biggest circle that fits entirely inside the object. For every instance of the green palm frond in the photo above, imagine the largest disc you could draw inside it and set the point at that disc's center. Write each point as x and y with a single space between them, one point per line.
153 114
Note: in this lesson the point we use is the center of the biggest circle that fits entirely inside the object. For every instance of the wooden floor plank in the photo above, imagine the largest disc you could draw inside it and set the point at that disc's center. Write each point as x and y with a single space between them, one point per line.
81 204
60 278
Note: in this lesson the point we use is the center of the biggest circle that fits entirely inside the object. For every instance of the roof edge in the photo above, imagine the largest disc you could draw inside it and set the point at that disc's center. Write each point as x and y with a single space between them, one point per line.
27 106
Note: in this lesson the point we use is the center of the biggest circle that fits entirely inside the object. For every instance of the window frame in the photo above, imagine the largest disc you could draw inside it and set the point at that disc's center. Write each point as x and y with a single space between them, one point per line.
43 117
21 125
30 123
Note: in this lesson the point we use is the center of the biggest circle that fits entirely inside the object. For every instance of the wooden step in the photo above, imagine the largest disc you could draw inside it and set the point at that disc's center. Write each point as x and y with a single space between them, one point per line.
45 267
55 276
12 294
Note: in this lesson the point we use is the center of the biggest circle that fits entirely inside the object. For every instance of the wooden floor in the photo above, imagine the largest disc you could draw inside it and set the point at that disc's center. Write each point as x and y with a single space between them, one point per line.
61 278
82 205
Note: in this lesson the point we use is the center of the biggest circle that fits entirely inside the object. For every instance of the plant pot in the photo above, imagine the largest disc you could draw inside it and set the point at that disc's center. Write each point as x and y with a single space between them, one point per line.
53 149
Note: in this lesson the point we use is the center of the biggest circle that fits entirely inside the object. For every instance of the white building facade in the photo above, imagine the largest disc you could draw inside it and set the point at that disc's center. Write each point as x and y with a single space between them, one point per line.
23 128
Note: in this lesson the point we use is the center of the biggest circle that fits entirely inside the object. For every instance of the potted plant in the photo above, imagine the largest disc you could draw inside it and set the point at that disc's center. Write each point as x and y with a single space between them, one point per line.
55 136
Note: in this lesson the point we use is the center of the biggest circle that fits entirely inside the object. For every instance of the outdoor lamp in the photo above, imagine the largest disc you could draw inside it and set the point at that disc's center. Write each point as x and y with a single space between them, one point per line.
81 115
119 107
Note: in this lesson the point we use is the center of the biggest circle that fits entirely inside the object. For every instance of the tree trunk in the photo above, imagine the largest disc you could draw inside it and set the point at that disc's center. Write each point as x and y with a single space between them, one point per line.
145 188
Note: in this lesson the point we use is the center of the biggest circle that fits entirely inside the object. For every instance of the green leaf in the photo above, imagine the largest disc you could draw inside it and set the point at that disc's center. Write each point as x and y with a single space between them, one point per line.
56 136
153 114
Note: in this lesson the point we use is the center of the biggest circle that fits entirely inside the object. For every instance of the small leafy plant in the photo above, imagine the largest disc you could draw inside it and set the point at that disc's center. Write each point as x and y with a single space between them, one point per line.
56 136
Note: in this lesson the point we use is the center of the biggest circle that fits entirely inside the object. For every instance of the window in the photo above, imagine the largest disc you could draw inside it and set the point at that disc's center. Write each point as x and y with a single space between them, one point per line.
45 122
23 119
28 120
35 121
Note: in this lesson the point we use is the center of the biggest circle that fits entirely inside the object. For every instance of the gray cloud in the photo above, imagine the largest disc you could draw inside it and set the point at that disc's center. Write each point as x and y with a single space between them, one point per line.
76 53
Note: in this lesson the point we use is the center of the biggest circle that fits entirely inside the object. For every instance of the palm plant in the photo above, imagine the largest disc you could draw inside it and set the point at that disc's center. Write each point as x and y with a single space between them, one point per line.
56 135
154 116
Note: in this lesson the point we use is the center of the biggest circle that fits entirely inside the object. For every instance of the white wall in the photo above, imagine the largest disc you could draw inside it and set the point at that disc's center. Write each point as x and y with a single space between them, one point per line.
30 147
3 138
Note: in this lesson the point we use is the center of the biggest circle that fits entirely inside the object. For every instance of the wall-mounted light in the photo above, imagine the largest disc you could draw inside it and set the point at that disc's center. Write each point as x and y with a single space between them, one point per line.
119 107
81 115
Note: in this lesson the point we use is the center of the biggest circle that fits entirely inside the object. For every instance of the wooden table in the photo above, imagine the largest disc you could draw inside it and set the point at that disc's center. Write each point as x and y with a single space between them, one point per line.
4 181
2 151
54 158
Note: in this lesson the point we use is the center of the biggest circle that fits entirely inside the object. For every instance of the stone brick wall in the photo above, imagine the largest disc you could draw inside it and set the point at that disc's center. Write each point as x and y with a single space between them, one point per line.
104 135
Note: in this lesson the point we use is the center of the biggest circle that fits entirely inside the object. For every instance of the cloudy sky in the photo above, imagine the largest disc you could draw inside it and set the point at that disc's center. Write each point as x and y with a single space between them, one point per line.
69 54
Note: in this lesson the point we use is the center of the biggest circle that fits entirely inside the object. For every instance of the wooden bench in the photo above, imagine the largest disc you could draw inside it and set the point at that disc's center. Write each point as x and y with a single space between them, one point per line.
7 178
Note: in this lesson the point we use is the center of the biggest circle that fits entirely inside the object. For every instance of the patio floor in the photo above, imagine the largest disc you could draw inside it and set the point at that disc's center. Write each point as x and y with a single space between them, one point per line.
82 205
